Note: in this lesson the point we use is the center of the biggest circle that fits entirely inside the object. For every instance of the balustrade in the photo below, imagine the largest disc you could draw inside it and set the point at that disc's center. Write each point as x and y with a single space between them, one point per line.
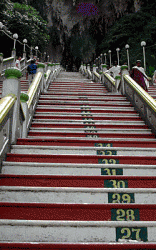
17 109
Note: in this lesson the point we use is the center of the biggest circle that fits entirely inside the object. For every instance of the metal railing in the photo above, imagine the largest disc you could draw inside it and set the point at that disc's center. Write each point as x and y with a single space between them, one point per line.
109 82
142 101
6 119
8 104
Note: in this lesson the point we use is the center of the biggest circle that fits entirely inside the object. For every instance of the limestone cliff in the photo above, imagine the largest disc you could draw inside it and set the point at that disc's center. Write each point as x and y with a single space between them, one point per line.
77 29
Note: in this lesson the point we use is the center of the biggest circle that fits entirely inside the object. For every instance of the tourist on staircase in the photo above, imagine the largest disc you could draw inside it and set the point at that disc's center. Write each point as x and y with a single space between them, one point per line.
139 75
17 63
31 71
115 70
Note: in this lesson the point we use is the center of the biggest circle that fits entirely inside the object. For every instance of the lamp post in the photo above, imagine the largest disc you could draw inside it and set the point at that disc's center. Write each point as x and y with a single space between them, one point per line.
31 54
127 47
109 51
105 57
15 37
44 56
143 44
36 48
118 54
99 61
101 56
24 52
1 25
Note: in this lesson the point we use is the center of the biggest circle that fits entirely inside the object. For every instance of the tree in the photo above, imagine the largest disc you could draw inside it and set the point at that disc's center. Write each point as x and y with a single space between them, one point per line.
26 21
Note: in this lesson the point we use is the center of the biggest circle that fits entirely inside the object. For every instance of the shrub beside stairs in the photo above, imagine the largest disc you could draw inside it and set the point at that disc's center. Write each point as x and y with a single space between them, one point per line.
84 178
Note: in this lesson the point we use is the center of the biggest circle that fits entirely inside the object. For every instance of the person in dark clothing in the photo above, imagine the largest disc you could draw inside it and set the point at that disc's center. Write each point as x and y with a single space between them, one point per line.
139 75
31 69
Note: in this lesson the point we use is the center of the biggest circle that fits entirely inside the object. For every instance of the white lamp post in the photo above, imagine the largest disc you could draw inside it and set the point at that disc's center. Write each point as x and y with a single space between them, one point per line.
24 52
24 41
36 48
143 44
1 25
109 51
101 58
15 37
118 54
31 54
44 56
105 57
127 47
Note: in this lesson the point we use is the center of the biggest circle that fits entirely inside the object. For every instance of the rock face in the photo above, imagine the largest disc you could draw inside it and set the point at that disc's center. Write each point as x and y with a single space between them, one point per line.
77 27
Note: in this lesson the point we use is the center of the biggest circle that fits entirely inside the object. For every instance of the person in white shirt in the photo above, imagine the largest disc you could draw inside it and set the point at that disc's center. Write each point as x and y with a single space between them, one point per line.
17 63
115 70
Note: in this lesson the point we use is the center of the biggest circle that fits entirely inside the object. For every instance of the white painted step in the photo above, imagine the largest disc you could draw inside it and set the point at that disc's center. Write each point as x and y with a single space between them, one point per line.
92 137
89 121
50 107
91 130
77 195
27 168
74 231
99 99
73 150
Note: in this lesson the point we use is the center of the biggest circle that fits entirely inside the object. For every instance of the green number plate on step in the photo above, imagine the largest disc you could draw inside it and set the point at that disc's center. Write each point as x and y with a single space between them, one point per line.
111 171
133 233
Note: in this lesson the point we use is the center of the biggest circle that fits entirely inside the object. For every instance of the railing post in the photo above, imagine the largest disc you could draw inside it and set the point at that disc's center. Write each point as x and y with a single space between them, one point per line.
24 98
124 71
40 68
1 63
12 85
13 54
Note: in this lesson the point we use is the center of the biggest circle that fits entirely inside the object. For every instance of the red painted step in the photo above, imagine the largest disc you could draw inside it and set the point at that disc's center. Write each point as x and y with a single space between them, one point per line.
80 105
52 117
83 246
78 181
89 159
102 135
87 143
49 110
75 212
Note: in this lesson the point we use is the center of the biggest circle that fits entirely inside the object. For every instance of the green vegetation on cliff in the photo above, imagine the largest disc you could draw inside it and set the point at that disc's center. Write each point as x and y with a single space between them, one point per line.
26 21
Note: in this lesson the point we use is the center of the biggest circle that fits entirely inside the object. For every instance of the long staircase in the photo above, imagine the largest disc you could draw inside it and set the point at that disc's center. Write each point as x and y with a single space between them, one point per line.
84 178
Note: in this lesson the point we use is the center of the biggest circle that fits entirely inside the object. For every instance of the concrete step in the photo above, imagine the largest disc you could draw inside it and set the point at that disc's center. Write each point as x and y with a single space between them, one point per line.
82 98
75 108
91 137
106 134
88 159
129 245
91 130
117 181
82 108
71 231
71 150
83 114
89 122
38 168
88 105
87 143
77 195
36 124
107 116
